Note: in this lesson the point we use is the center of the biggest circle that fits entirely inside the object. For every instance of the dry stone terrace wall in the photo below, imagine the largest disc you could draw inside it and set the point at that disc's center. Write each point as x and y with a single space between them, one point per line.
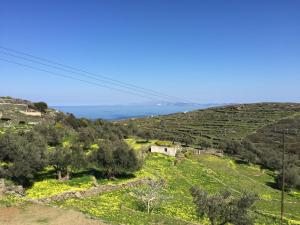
90 192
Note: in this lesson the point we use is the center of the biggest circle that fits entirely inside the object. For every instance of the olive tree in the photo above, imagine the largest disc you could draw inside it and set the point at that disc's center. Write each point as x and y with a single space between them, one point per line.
115 158
223 208
64 159
151 196
24 155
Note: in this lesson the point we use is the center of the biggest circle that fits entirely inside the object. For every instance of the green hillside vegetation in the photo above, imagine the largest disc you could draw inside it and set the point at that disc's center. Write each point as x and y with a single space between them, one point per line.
268 145
215 125
63 153
206 171
269 139
211 173
248 132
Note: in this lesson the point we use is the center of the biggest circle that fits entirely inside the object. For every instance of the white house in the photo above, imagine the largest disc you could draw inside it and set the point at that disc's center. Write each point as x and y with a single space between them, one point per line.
165 149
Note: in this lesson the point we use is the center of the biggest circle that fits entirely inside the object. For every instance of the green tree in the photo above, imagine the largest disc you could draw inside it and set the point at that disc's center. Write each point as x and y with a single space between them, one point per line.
186 140
205 144
64 159
115 158
54 135
24 155
223 208
87 136
291 178
41 106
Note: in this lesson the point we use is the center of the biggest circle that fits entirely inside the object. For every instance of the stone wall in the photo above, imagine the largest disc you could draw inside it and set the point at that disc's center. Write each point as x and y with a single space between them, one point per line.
2 186
11 189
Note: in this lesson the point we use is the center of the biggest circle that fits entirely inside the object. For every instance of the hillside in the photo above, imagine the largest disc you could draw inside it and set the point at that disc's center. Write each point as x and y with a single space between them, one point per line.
268 142
216 125
209 172
78 149
22 114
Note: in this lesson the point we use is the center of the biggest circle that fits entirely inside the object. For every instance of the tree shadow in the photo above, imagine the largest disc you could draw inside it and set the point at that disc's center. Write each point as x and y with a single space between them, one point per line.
272 185
100 174
241 162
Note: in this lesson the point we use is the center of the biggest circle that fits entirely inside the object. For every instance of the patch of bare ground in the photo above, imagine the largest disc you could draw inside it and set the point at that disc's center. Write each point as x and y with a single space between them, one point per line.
32 214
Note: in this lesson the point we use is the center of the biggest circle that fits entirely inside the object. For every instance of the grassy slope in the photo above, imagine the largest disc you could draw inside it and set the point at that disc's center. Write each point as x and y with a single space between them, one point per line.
221 123
210 172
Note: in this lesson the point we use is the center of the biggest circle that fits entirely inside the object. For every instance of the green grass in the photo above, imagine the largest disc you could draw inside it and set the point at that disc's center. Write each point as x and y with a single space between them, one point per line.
50 187
209 172
138 145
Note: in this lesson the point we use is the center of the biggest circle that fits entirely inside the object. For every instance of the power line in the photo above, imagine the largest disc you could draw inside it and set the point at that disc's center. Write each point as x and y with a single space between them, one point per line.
70 71
91 75
74 78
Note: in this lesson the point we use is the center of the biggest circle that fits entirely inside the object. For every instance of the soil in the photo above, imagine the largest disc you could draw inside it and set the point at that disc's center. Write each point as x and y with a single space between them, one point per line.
39 214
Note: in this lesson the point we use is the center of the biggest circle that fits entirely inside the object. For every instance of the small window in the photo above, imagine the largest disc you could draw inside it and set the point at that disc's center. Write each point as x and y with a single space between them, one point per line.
166 149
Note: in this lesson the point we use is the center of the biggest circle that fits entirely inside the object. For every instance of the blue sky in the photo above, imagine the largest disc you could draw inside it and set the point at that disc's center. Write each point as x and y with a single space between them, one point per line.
205 51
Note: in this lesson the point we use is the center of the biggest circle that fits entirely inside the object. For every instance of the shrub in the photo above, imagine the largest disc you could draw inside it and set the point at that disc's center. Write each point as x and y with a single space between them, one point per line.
41 106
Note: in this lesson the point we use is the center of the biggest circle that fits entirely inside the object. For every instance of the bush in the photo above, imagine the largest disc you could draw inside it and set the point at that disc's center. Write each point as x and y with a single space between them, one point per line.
41 106
291 178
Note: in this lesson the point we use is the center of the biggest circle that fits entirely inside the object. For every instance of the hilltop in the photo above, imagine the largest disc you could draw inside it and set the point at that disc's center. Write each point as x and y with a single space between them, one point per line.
23 114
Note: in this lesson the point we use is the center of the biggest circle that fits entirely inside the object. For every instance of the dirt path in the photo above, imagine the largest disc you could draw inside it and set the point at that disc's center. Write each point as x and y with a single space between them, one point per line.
38 215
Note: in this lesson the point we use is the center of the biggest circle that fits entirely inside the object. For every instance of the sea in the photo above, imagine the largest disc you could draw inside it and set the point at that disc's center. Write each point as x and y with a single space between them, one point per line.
120 112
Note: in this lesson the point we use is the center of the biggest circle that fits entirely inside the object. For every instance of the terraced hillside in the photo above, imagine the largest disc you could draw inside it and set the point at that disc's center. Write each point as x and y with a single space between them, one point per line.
16 114
268 140
215 125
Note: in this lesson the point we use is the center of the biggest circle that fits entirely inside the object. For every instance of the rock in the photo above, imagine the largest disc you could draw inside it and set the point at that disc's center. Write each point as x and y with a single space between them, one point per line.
2 186
78 195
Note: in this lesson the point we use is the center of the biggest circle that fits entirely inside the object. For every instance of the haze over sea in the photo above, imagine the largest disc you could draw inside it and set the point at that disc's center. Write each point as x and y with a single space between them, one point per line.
119 112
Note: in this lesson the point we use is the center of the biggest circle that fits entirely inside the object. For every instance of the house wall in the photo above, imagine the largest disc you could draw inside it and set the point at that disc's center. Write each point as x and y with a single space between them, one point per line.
164 150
